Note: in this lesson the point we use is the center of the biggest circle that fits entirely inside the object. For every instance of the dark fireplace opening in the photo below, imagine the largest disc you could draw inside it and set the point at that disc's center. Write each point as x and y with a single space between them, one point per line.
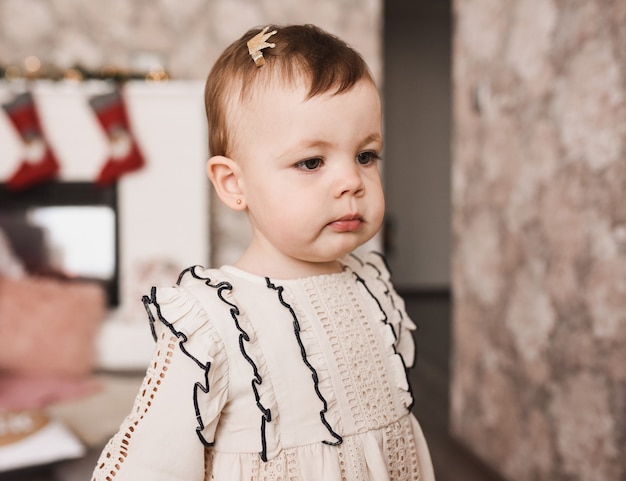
69 230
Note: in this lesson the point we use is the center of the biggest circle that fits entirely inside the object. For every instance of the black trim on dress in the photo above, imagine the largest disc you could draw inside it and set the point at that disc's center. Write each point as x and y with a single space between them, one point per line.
296 328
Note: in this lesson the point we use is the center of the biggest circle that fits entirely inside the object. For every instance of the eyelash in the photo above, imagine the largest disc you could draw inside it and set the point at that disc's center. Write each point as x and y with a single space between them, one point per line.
372 158
302 165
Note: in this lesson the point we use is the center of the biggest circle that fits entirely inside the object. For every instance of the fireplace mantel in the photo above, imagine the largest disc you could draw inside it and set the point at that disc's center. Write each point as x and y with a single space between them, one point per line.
163 208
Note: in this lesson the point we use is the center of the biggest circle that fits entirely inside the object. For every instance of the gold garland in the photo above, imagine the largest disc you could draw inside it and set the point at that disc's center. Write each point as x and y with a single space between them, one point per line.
79 73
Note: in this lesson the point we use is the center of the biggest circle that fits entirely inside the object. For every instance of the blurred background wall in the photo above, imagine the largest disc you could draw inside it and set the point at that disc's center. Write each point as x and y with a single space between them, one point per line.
417 158
539 218
185 37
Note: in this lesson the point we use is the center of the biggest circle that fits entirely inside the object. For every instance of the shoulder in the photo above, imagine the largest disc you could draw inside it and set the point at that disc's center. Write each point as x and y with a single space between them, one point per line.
198 277
193 301
372 270
369 264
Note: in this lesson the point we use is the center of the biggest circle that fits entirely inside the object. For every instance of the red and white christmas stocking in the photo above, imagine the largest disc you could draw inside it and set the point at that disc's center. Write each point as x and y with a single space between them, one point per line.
125 155
40 163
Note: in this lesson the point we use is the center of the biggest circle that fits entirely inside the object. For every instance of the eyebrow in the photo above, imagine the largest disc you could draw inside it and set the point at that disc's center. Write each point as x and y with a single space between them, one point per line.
367 140
373 138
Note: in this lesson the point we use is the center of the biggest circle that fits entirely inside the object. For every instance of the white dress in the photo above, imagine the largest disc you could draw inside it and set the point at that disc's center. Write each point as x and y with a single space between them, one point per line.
263 379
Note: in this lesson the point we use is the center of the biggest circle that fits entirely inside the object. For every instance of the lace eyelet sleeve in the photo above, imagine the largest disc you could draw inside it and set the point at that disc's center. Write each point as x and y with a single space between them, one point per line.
177 408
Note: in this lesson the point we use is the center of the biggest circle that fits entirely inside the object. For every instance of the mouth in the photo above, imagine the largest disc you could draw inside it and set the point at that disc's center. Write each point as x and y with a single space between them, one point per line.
347 223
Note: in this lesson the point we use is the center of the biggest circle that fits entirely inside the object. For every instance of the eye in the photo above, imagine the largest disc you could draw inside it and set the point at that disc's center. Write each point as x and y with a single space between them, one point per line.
368 157
310 164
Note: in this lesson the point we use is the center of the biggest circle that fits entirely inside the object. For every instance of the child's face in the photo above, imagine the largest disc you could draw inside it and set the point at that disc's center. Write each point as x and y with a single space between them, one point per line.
309 175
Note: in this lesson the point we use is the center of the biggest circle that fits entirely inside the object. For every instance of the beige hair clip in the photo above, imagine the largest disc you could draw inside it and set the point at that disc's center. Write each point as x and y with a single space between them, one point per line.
256 45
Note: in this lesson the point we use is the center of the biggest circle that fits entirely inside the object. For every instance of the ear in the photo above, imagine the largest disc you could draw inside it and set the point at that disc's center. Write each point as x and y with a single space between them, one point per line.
225 175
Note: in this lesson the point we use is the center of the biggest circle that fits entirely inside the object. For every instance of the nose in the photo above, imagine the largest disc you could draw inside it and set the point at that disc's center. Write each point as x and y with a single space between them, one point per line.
349 180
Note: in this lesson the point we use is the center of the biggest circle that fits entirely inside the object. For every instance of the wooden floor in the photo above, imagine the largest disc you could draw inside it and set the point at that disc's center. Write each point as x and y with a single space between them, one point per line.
430 380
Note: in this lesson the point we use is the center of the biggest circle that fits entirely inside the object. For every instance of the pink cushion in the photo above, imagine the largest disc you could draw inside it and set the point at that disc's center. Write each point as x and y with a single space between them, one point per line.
48 326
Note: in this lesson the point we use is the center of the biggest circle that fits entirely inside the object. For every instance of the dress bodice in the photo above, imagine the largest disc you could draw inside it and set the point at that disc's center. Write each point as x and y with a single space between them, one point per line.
288 371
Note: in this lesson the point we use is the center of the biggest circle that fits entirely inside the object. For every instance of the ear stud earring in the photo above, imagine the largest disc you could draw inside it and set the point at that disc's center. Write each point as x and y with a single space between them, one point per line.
238 201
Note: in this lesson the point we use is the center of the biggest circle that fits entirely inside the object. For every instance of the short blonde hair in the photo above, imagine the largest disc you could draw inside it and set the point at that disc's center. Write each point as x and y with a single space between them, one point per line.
302 52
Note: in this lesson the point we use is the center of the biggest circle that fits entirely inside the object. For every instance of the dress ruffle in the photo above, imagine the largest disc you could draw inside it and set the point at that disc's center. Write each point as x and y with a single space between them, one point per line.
261 382
176 309
316 357
395 327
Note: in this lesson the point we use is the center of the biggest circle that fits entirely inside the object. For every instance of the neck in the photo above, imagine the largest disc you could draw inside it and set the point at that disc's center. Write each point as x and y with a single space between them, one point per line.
292 269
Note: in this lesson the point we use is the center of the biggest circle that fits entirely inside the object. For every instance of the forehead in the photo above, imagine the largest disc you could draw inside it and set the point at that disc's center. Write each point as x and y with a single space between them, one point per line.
283 120
263 100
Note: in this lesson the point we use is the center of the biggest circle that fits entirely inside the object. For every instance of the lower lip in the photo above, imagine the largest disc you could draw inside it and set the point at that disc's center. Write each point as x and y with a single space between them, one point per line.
346 225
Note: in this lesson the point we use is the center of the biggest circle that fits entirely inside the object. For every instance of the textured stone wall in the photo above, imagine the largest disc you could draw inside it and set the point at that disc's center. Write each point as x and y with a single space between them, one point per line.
539 268
184 37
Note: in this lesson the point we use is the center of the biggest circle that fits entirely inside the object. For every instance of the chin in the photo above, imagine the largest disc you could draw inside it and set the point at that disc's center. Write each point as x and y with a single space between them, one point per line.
347 250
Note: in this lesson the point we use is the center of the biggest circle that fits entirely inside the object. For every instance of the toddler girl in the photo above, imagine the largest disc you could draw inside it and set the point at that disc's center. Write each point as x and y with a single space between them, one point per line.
291 363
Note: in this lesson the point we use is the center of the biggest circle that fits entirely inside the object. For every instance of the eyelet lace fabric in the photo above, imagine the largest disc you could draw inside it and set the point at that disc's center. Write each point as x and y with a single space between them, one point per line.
266 380
116 451
356 350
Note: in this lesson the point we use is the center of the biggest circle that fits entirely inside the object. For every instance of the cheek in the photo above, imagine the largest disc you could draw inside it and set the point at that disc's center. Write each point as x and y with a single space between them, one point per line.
378 203
380 209
277 206
376 191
